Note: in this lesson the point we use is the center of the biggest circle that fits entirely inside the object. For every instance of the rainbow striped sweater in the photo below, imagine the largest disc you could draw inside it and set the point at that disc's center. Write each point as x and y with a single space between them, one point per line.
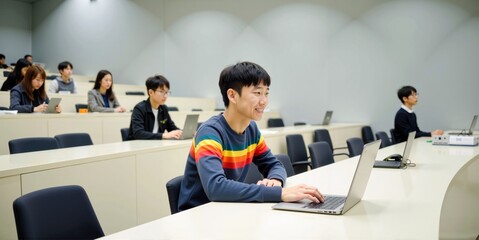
218 162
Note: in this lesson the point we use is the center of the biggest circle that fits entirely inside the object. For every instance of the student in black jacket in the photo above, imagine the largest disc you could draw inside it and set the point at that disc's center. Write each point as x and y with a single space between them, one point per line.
17 75
406 120
150 118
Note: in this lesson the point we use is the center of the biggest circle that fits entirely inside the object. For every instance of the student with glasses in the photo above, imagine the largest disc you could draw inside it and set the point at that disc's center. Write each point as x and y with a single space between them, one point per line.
150 118
406 120
29 95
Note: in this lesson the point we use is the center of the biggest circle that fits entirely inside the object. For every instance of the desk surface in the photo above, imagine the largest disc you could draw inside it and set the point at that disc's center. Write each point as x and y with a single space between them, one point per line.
399 204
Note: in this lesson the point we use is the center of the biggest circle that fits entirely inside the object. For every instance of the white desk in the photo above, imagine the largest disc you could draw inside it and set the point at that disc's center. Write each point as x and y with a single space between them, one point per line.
124 180
416 203
102 127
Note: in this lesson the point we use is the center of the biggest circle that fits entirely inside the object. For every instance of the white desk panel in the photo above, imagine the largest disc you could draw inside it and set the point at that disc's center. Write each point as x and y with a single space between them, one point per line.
414 203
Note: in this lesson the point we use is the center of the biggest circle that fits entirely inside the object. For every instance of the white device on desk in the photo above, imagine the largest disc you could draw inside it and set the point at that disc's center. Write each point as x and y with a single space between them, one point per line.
455 140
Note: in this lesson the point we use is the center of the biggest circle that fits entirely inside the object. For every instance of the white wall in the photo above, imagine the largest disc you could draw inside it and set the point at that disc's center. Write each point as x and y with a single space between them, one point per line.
349 56
15 29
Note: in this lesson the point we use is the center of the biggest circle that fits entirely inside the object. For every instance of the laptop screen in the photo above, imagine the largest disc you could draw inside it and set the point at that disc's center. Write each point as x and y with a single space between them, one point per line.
473 125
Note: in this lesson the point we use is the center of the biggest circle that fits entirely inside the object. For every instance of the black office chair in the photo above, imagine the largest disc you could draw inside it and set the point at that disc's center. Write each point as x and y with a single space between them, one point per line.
367 134
6 73
385 142
3 108
322 135
172 108
321 154
355 146
32 144
275 122
79 106
253 175
299 123
136 93
393 136
124 134
173 189
219 109
297 153
197 110
56 213
73 140
284 159
198 125
51 77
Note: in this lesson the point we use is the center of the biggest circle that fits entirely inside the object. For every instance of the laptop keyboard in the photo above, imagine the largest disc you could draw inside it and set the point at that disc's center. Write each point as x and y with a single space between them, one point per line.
330 203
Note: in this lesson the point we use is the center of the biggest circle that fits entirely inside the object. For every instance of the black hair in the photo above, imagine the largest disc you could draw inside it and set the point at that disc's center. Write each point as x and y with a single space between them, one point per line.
101 74
27 56
406 91
2 56
243 74
155 82
64 65
17 71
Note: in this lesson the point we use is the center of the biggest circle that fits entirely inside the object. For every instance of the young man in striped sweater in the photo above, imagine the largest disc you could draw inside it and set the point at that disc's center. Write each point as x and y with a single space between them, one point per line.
227 144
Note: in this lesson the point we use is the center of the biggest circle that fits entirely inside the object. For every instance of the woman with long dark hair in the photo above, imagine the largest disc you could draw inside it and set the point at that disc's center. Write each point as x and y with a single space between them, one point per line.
17 75
102 98
29 95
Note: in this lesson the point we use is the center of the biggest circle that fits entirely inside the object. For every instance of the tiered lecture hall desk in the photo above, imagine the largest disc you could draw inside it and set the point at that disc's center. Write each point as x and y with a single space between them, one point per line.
124 180
437 199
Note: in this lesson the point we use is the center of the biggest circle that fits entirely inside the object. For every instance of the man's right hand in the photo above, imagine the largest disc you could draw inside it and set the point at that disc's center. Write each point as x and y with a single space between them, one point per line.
300 192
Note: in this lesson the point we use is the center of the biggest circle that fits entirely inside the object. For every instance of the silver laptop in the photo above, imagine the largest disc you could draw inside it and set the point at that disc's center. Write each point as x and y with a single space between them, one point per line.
471 128
327 119
335 204
398 160
189 128
54 102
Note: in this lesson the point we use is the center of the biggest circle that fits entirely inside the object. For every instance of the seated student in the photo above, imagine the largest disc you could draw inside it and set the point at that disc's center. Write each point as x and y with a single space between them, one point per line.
64 82
16 76
29 58
150 118
102 98
2 62
227 144
29 95
405 120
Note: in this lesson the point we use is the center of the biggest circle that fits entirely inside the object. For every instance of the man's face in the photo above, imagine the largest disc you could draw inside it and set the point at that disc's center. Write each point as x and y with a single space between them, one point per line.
411 100
253 101
67 72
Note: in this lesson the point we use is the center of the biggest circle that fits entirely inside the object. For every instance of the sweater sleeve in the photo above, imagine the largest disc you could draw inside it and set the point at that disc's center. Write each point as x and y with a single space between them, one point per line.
53 88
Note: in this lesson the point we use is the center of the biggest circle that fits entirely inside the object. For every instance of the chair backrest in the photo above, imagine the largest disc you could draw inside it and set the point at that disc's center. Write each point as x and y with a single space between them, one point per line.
367 134
284 159
3 108
173 189
79 106
275 122
137 93
299 123
393 136
31 144
172 108
296 151
196 110
124 134
56 213
321 154
253 175
322 135
73 140
385 142
355 146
